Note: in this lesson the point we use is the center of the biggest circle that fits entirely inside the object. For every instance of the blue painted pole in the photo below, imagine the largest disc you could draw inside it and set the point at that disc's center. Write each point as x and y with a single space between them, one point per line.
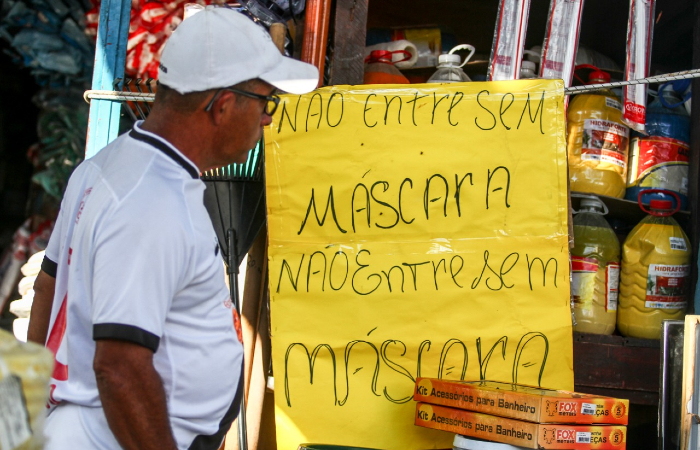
110 58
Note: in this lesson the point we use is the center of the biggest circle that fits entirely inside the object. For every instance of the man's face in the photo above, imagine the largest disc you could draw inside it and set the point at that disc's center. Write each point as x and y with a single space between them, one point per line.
243 127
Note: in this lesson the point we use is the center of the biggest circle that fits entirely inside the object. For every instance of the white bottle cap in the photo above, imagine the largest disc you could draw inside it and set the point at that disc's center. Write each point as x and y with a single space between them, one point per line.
528 65
452 59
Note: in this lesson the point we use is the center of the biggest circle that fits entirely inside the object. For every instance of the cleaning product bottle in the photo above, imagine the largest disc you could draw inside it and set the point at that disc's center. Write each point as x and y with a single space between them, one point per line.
654 281
595 266
379 68
660 160
449 69
598 141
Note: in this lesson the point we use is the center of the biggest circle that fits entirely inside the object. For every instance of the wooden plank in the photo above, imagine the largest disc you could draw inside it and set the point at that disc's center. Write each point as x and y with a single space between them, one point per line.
635 397
350 30
689 370
623 367
694 168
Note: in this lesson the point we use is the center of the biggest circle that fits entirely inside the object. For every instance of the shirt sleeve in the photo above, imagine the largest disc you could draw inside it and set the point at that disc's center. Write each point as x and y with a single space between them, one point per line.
139 259
50 262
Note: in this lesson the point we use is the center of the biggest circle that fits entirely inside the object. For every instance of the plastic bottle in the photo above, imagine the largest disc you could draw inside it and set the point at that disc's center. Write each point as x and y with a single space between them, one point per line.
660 160
654 280
595 264
449 69
379 68
597 141
527 70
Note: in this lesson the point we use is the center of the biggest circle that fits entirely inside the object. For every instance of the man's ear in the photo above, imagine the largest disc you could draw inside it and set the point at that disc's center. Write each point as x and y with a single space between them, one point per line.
222 105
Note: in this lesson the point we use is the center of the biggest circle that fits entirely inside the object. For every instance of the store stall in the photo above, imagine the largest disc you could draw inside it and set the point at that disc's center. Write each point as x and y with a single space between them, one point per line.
422 228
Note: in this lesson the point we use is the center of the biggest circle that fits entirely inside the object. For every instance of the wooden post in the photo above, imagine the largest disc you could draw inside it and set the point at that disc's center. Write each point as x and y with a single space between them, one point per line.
694 162
313 51
350 30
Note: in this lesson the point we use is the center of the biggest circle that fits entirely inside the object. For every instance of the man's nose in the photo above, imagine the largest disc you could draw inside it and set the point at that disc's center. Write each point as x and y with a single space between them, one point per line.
266 120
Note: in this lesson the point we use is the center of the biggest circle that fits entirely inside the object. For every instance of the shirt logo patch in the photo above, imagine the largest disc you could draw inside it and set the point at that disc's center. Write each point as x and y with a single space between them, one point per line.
82 204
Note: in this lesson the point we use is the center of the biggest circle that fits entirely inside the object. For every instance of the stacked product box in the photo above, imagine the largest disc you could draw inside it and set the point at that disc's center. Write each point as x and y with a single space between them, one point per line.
522 415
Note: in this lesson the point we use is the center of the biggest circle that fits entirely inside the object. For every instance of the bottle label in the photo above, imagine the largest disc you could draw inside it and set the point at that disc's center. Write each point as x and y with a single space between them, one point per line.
612 285
605 141
658 162
583 272
677 243
667 286
612 103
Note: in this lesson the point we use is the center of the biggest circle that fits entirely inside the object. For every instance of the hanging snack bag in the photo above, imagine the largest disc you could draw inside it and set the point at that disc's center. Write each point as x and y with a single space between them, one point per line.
509 39
561 40
640 30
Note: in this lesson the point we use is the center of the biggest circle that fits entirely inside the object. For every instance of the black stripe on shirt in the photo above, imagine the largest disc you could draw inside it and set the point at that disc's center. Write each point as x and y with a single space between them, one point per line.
124 332
49 267
139 136
213 441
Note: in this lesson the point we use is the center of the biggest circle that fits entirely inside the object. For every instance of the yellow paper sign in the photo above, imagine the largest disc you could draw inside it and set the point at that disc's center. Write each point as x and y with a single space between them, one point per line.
415 230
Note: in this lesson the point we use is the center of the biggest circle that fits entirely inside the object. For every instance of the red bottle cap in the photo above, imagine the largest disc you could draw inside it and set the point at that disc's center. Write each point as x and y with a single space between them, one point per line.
661 204
383 56
598 77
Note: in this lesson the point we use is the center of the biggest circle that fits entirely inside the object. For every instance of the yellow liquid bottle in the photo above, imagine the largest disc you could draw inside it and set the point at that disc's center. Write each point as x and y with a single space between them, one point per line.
595 264
597 141
655 275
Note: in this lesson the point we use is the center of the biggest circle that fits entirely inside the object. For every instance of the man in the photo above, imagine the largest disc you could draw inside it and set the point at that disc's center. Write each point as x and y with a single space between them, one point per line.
131 298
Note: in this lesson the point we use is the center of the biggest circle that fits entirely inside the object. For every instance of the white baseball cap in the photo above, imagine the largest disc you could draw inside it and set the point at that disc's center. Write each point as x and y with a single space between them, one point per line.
219 47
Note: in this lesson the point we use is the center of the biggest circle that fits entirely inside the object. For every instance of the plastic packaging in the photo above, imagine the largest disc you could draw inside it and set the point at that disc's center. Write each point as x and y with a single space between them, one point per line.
595 265
598 141
449 68
509 39
379 68
25 370
684 89
660 160
655 277
429 42
398 58
561 40
640 30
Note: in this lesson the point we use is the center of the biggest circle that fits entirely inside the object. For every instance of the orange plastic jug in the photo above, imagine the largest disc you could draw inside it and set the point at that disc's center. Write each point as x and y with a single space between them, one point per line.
380 69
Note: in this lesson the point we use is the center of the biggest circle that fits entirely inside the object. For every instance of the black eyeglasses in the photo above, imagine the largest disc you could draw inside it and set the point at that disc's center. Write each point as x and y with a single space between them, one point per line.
271 101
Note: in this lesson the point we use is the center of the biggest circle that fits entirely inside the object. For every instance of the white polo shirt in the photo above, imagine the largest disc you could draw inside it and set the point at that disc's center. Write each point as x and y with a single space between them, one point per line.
135 258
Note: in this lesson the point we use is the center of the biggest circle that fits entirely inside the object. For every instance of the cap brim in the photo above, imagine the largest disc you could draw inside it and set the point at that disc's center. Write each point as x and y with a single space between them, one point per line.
290 75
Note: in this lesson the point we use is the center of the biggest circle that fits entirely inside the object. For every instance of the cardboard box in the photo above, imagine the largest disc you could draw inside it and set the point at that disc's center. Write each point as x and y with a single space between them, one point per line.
520 433
523 402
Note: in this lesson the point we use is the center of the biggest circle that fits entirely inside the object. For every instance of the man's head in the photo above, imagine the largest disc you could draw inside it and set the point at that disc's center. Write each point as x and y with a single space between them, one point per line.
219 47
219 72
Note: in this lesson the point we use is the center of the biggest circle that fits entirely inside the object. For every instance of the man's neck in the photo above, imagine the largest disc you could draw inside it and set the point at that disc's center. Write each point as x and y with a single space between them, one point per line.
184 133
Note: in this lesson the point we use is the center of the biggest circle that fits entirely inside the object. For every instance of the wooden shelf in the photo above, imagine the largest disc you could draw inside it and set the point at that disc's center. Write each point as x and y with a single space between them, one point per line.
628 211
617 366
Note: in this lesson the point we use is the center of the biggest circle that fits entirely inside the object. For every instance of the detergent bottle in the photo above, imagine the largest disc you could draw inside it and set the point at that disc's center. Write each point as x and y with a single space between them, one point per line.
595 267
597 141
660 160
380 69
654 281
449 69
